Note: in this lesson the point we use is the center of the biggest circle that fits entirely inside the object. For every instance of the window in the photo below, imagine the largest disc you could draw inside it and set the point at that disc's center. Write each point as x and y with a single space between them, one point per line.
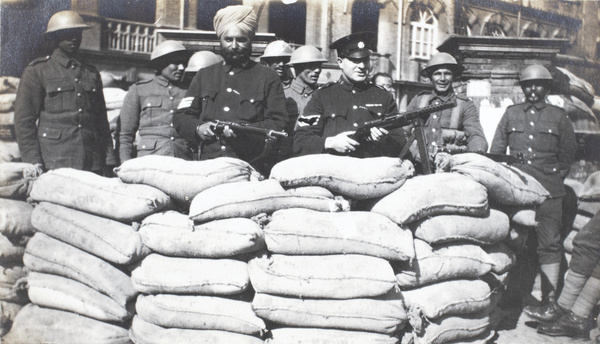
142 11
494 30
288 21
423 33
207 10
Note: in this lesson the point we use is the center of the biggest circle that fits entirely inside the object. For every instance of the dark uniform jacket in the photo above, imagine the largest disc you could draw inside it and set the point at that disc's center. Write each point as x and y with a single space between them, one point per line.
343 106
545 136
66 97
252 94
149 106
459 126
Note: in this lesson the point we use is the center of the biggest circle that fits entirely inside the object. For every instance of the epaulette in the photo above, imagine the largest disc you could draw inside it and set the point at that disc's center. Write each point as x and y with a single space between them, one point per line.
39 60
144 81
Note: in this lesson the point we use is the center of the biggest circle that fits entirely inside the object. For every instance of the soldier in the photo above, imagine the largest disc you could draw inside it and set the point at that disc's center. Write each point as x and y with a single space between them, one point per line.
457 129
60 113
237 90
200 59
276 55
544 135
149 106
334 111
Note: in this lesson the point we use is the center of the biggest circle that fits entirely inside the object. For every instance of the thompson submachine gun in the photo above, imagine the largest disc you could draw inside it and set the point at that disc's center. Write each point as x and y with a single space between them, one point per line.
245 127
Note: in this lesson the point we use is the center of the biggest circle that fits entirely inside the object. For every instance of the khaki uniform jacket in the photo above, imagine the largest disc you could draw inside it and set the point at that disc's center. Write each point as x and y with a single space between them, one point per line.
60 115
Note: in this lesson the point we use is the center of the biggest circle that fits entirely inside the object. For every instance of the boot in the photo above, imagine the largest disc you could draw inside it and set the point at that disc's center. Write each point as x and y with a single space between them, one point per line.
569 325
548 311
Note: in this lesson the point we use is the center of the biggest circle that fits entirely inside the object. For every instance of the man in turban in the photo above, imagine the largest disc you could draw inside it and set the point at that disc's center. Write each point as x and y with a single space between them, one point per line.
236 90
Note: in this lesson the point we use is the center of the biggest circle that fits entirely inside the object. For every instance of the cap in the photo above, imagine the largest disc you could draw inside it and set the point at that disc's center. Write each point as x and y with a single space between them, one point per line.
356 45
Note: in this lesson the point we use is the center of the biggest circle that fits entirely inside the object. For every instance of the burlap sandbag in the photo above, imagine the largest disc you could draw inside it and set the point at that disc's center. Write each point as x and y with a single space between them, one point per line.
200 313
520 215
580 221
306 232
352 177
105 197
48 255
448 297
591 188
9 84
502 256
10 290
108 239
52 291
158 274
16 179
9 153
15 218
7 102
444 262
174 234
434 194
505 184
36 324
8 313
181 179
12 249
371 315
311 191
143 332
250 198
331 276
289 335
451 228
454 329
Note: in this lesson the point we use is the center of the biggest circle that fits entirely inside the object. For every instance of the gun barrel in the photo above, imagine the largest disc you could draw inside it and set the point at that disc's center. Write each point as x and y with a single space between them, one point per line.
249 128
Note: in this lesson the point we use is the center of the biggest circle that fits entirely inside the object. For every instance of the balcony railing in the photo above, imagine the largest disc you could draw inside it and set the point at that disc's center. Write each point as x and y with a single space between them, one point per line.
130 37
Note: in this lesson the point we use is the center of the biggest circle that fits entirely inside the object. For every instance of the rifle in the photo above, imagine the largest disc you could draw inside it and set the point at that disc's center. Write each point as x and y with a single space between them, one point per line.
245 127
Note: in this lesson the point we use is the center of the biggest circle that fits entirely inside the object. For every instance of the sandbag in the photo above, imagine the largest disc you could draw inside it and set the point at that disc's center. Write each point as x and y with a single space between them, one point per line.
113 97
157 274
307 232
520 216
502 256
174 234
48 255
108 239
505 184
16 179
371 315
434 194
591 188
8 313
448 297
200 313
288 335
9 84
9 152
348 176
448 228
7 102
310 191
52 291
181 179
454 329
36 324
143 332
105 197
332 276
10 290
15 218
248 199
12 249
442 263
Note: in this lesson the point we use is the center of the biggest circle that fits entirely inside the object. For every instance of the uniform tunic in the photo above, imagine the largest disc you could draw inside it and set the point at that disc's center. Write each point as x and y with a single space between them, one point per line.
66 97
442 129
343 106
149 106
544 135
252 94
297 96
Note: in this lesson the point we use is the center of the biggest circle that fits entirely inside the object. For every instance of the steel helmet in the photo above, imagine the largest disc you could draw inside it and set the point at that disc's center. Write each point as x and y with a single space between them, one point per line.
442 60
202 59
277 49
165 48
535 72
65 20
306 54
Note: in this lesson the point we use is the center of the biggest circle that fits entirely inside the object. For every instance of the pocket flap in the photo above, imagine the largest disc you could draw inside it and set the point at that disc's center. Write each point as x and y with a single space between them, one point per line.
89 86
550 169
59 86
152 102
517 127
50 133
547 128
146 144
252 97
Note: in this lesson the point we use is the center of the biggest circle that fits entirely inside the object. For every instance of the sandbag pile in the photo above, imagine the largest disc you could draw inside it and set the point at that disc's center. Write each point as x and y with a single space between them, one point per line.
77 261
8 94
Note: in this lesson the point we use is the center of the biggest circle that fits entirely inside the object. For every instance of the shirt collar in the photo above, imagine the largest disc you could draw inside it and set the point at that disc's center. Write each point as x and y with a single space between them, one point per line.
301 87
348 86
443 98
538 105
161 80
62 58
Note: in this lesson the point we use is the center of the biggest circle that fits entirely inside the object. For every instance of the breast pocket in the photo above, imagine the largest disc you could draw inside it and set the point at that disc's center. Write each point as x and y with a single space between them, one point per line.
251 104
336 121
90 92
549 137
151 108
60 96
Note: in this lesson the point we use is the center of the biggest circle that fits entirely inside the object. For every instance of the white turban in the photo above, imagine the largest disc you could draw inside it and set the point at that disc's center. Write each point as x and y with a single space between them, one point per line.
230 16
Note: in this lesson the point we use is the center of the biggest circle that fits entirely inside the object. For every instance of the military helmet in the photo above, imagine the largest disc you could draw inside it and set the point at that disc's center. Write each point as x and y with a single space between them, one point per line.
306 54
166 50
442 60
535 72
202 59
65 20
277 49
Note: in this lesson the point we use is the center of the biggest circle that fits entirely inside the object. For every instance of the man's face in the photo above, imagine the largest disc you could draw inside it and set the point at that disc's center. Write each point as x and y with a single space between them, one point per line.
68 40
534 90
385 83
309 72
174 71
236 46
442 79
355 70
277 64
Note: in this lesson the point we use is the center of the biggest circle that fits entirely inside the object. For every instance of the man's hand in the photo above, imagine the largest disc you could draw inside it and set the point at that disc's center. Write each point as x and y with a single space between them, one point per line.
205 132
341 142
377 134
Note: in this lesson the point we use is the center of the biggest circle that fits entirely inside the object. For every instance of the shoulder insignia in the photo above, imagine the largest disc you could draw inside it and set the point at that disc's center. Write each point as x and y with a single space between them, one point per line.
39 60
305 121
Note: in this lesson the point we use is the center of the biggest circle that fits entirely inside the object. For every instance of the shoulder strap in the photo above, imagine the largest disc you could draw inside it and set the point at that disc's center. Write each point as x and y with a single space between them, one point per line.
455 118
424 101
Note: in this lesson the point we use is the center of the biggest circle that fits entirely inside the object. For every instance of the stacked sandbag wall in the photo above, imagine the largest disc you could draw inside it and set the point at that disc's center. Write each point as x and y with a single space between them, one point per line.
9 152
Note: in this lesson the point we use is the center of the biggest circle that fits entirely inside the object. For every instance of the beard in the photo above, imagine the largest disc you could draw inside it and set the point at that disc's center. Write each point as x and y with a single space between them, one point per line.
236 57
